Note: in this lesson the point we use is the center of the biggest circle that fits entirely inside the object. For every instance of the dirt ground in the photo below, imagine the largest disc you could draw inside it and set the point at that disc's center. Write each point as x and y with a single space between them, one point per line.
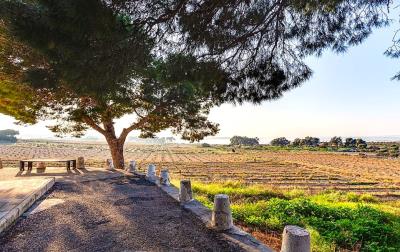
124 214
306 170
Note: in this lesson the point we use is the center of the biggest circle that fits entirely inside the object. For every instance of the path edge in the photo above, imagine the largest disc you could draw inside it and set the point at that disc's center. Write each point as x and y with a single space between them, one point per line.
234 235
12 216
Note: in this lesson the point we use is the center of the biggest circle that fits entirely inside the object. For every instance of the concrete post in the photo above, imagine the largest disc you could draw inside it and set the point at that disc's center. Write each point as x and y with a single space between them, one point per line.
40 165
222 214
109 164
80 164
185 191
164 178
132 167
151 173
295 239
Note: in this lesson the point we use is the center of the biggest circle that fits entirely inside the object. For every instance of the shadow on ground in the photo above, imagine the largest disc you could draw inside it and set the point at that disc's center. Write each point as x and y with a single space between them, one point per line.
127 213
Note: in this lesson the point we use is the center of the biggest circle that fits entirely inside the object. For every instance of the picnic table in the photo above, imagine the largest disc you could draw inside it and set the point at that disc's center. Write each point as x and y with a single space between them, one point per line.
68 162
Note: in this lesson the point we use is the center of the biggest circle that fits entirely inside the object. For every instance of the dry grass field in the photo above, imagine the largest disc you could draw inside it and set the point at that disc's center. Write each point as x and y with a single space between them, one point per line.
307 170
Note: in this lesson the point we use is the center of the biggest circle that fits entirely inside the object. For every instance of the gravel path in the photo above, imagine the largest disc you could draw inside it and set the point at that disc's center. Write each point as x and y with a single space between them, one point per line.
125 214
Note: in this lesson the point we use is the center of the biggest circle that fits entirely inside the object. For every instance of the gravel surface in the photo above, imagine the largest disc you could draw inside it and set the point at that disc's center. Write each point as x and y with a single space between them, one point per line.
125 214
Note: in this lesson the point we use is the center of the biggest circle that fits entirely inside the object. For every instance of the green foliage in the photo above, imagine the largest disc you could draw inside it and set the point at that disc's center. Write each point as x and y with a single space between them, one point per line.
307 141
281 141
83 64
242 140
335 220
89 62
394 150
336 142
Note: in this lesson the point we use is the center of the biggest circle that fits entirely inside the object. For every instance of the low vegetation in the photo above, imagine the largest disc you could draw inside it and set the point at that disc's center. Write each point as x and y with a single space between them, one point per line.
336 220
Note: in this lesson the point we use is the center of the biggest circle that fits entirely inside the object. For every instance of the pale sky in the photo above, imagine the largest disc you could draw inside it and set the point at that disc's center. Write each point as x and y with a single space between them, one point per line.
350 94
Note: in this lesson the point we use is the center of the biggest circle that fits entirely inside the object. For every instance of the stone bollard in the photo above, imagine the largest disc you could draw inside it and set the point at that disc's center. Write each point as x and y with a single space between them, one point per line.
40 165
222 214
185 191
151 173
1 164
109 164
295 239
132 167
164 177
80 163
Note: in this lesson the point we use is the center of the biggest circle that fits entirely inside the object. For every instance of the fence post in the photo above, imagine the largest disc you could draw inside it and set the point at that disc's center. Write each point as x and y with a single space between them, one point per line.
164 178
185 191
40 165
80 163
151 173
222 214
132 166
110 164
295 239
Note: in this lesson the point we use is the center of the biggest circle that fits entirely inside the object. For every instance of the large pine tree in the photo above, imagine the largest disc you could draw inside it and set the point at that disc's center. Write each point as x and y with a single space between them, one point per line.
87 63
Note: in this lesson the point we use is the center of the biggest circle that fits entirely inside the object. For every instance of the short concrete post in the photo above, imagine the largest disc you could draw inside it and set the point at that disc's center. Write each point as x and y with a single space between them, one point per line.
185 191
109 164
295 239
222 214
132 167
80 164
1 164
164 178
151 173
40 165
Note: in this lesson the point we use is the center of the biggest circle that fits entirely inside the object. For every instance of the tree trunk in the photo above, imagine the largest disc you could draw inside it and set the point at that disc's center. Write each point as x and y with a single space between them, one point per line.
115 143
117 152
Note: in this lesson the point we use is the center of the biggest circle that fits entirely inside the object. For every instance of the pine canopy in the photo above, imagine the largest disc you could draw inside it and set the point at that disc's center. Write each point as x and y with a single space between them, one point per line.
87 63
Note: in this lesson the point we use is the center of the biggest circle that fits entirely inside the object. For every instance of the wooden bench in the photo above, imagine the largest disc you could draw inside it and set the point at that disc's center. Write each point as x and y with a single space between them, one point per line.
69 163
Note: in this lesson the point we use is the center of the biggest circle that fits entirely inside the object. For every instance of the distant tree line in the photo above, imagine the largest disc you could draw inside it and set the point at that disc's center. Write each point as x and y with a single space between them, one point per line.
307 141
8 136
246 141
335 142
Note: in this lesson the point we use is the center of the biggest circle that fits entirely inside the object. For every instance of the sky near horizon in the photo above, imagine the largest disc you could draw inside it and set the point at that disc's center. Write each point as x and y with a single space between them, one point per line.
349 94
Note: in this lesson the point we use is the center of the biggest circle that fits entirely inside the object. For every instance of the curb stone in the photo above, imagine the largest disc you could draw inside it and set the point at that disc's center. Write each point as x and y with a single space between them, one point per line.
12 215
234 235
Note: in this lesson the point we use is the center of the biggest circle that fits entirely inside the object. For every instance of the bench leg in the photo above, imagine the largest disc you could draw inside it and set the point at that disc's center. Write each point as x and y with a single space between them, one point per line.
68 166
21 165
30 165
74 164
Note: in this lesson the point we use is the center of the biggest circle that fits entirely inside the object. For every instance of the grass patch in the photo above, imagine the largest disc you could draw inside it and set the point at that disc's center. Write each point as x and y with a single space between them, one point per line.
335 220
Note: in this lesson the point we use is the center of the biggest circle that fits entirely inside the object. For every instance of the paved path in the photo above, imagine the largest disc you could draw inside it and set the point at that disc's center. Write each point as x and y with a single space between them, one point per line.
120 214
16 196
59 173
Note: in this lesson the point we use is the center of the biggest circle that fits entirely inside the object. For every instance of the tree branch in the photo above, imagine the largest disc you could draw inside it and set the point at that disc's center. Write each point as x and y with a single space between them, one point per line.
126 131
89 121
